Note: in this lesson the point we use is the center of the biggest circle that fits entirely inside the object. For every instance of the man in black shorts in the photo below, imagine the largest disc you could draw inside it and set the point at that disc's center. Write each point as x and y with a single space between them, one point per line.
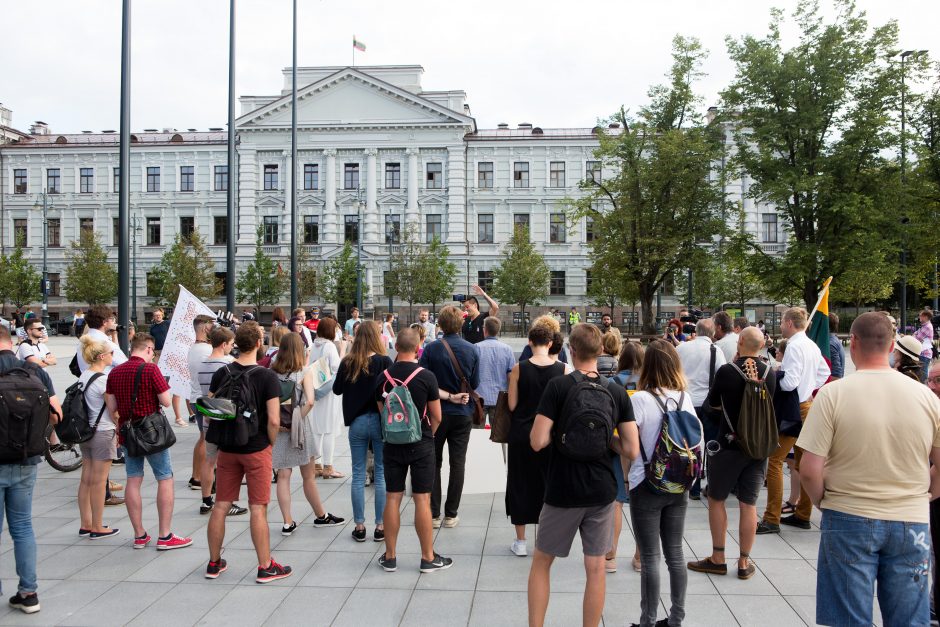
419 457
730 469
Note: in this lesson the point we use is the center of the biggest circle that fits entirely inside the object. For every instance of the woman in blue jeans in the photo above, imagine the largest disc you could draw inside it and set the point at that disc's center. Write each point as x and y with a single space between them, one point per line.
358 375
658 518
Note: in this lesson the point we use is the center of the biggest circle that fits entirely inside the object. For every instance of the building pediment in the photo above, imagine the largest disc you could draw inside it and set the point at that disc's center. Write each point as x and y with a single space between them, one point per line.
270 202
348 99
392 198
433 199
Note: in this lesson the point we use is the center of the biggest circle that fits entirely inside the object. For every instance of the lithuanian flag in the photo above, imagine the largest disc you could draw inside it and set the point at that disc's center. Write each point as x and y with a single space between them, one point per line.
819 323
358 45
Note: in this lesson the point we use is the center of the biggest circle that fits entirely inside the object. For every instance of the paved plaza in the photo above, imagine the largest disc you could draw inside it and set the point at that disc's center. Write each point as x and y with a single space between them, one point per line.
336 581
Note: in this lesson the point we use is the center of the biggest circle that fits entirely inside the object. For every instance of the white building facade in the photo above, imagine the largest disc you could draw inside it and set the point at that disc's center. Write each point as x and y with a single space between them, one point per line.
370 140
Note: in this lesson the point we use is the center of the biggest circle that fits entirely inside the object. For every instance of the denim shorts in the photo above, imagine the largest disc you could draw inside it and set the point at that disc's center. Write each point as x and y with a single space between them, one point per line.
159 463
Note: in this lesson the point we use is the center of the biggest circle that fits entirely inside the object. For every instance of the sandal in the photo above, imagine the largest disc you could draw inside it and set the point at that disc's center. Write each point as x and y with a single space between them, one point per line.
318 470
331 473
636 565
788 508
610 564
749 570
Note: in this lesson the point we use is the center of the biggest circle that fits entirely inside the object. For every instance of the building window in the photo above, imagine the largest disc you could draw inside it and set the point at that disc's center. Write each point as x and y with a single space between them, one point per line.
520 174
153 231
115 231
557 228
187 227
392 176
53 181
117 180
520 221
220 228
435 176
52 286
311 229
19 181
221 178
351 229
20 236
589 229
270 177
187 178
485 228
153 179
485 175
86 180
588 281
593 169
769 227
350 176
52 233
270 229
485 280
392 229
557 285
433 226
387 287
556 174
311 176
86 226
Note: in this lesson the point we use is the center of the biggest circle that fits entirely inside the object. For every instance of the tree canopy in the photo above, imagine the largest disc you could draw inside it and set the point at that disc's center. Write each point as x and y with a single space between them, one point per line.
522 276
89 277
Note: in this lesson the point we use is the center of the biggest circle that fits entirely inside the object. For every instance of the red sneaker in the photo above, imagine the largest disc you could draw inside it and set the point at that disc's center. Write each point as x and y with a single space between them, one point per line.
173 542
142 541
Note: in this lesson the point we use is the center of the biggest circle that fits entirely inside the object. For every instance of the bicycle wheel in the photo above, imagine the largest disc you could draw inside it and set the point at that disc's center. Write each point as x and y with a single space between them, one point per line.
62 457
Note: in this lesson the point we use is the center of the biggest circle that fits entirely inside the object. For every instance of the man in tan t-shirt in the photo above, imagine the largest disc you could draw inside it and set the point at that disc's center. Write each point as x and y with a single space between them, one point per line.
867 442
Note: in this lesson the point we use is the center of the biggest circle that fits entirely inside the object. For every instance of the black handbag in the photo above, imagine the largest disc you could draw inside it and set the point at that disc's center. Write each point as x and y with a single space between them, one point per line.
149 434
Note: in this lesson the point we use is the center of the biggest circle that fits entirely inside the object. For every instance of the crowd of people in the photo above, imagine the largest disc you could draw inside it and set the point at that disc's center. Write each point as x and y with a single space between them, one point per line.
591 427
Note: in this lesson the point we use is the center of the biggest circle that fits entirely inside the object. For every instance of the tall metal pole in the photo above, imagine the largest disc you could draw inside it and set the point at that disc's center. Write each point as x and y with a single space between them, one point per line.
904 56
293 170
134 225
124 163
230 188
45 267
689 304
359 255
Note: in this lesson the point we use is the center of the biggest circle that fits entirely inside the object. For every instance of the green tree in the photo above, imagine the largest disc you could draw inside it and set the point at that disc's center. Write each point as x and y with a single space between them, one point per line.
405 276
307 276
262 282
337 283
610 286
522 276
89 277
923 193
661 199
438 274
737 276
21 279
187 263
812 123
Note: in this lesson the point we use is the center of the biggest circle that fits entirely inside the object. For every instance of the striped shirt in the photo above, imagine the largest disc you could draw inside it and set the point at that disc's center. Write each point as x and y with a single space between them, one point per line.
496 360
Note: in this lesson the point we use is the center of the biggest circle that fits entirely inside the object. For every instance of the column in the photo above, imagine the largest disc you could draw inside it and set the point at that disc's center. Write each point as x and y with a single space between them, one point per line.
247 193
285 234
374 223
412 212
456 194
330 230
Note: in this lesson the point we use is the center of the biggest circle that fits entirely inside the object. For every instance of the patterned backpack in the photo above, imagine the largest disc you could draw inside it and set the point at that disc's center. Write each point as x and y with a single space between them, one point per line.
677 456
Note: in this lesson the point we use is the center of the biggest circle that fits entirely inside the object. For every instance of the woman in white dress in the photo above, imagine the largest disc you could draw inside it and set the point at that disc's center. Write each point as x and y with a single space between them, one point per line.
328 409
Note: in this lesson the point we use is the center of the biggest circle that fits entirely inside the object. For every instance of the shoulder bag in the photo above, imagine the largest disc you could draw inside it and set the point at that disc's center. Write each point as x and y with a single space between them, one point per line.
475 400
149 434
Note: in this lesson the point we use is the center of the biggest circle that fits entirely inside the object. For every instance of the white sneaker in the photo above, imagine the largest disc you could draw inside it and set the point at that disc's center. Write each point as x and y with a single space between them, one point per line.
451 521
436 522
519 548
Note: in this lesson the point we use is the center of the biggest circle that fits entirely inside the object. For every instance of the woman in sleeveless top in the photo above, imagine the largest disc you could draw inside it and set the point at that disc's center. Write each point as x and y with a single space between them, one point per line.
525 481
296 446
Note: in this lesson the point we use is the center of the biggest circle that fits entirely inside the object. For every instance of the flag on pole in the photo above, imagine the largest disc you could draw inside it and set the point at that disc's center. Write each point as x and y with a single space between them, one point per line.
358 45
818 330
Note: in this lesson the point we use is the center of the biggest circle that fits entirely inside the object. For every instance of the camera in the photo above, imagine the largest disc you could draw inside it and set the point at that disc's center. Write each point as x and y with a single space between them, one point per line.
694 316
225 319
460 297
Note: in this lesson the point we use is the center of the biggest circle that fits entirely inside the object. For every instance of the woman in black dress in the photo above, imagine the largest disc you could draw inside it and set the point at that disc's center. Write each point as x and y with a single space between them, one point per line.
525 482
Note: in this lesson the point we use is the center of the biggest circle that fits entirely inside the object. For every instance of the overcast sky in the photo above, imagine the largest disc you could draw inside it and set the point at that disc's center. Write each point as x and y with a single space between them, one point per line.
547 62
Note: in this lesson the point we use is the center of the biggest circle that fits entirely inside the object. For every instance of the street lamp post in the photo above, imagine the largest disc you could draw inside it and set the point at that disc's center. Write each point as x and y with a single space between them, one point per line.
44 284
359 249
135 229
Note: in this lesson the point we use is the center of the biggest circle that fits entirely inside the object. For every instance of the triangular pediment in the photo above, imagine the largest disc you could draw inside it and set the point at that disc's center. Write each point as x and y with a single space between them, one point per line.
392 198
434 199
350 98
270 201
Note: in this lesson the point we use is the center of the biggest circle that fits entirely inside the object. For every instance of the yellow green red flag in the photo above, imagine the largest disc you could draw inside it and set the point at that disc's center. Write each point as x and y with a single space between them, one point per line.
819 322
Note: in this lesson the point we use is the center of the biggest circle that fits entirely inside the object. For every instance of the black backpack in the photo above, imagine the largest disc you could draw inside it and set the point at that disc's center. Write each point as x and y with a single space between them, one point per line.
232 433
74 427
585 427
24 415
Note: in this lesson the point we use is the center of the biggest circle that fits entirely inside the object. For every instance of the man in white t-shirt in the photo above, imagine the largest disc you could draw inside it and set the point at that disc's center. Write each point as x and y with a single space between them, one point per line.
100 320
33 348
725 337
430 329
868 442
198 352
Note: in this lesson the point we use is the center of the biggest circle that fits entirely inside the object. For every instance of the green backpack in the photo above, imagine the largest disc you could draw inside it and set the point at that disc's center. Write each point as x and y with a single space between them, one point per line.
401 422
757 423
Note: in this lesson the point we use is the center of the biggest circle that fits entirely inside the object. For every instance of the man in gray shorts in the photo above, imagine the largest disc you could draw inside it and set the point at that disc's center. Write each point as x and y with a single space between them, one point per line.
579 495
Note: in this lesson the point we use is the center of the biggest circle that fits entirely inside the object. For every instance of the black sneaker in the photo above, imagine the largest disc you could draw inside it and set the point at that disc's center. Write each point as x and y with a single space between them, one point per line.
214 569
766 527
390 564
119 460
793 521
194 485
235 510
206 508
273 572
28 604
328 520
379 535
359 535
286 530
438 563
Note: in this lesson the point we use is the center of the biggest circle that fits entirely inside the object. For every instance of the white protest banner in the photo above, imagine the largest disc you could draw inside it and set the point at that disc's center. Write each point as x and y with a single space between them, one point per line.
173 360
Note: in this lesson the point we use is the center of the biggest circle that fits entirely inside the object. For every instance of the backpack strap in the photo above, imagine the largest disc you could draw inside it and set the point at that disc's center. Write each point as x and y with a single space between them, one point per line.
711 365
457 369
104 405
137 377
411 376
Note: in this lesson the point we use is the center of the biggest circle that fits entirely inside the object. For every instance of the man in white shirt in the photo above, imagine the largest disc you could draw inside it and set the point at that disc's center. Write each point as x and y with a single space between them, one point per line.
33 348
725 338
804 370
100 321
701 359
430 329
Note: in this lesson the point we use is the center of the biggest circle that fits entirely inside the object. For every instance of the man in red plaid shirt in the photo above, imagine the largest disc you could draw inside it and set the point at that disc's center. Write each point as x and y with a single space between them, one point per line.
151 395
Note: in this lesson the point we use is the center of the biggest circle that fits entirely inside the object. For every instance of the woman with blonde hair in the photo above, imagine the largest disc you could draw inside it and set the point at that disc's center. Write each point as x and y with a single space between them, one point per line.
550 323
97 452
658 518
357 377
607 361
277 334
295 444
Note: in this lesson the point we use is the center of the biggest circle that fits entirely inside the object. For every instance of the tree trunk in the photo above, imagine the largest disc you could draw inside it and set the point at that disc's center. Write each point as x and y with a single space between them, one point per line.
648 321
810 294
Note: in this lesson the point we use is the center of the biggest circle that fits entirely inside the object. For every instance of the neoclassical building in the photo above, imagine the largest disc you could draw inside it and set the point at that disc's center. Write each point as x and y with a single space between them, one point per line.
372 142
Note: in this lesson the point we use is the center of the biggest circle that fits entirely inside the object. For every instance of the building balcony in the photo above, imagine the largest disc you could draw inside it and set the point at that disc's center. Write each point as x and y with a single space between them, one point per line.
774 248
